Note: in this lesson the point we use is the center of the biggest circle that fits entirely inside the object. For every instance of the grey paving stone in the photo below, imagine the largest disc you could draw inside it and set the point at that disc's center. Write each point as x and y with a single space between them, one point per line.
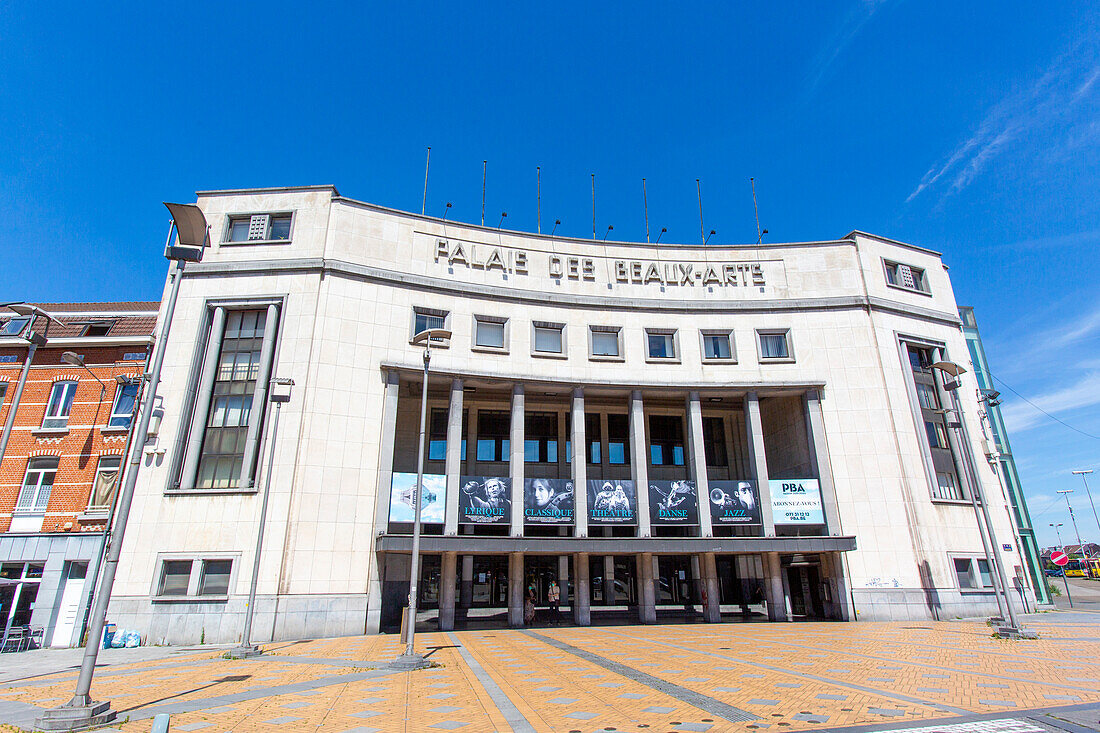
696 679
987 684
657 709
672 671
591 676
931 689
449 725
221 709
309 692
563 700
753 676
366 714
282 720
296 705
445 709
788 684
370 700
1061 697
881 679
727 689
439 684
761 701
193 726
838 671
810 718
610 684
580 715
441 696
699 727
886 712
998 703
632 696
937 676
547 688
827 696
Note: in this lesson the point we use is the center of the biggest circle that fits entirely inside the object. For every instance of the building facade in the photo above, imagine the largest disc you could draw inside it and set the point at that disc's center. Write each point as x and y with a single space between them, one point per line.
724 432
999 452
64 453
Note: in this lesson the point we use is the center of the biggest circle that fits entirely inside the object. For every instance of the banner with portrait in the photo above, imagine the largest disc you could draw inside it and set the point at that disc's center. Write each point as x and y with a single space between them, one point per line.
612 502
796 501
673 502
548 501
484 500
734 502
434 494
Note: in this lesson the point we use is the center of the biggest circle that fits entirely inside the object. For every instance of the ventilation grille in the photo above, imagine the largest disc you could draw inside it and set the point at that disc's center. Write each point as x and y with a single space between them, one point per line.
905 276
257 227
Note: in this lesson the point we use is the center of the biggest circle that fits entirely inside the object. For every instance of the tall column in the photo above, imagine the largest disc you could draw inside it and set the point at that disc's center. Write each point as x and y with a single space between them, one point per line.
580 463
563 580
698 584
608 580
453 463
639 461
698 463
759 461
582 612
259 400
819 458
515 461
447 591
712 611
647 601
471 440
466 589
382 497
515 589
202 400
773 587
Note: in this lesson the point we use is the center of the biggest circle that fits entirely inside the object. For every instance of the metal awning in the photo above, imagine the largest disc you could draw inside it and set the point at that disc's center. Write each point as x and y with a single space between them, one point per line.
490 545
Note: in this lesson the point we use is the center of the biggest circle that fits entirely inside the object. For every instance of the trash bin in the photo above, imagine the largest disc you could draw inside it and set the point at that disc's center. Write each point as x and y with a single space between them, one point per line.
108 635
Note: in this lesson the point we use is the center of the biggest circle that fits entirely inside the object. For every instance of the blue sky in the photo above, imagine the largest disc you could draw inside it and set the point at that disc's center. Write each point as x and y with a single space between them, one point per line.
969 128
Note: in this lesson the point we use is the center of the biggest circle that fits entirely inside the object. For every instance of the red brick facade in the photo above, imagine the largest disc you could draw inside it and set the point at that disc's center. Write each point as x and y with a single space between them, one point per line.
87 438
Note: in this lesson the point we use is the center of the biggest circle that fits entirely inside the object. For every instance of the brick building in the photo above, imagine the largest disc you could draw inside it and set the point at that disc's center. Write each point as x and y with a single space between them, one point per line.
60 467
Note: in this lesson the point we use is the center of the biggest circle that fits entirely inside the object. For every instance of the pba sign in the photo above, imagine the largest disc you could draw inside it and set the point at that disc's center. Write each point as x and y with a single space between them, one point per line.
1059 558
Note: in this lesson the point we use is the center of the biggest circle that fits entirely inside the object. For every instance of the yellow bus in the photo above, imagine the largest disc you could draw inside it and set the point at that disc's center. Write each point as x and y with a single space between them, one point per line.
1084 567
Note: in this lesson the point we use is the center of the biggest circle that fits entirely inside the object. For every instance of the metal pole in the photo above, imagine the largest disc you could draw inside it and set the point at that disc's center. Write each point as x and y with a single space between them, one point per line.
593 206
428 162
538 175
999 578
699 193
756 211
246 638
417 499
1073 520
484 168
1065 580
1082 474
82 698
15 399
645 208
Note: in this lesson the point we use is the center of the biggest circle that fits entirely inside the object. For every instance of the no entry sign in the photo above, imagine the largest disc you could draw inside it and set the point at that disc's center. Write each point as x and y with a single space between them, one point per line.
1059 558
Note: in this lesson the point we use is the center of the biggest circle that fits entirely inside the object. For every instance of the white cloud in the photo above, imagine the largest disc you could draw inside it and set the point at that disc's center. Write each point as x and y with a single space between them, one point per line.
1019 415
850 27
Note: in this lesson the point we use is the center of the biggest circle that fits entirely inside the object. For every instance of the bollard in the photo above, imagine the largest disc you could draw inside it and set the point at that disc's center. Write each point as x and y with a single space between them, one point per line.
160 723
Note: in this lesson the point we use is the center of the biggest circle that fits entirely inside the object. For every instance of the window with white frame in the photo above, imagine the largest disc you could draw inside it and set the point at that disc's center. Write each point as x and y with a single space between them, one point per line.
258 228
426 319
14 326
605 341
34 496
972 573
122 411
59 405
105 484
548 337
489 332
214 580
717 345
775 345
195 577
905 276
660 343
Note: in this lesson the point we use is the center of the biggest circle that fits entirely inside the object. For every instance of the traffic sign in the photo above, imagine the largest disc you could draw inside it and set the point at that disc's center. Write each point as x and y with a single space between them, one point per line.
1059 558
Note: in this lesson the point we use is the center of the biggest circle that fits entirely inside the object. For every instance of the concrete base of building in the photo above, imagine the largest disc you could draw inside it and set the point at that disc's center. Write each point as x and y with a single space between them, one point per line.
924 604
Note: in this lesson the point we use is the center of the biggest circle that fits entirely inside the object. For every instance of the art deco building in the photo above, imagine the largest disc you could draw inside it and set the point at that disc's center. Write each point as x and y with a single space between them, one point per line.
718 432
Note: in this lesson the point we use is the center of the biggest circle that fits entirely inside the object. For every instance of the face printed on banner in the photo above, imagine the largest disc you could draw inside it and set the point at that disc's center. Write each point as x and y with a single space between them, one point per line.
612 497
745 496
543 492
494 491
734 502
548 501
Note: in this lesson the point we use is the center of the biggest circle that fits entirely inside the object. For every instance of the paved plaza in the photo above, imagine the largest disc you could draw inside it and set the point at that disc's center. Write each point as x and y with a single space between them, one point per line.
944 676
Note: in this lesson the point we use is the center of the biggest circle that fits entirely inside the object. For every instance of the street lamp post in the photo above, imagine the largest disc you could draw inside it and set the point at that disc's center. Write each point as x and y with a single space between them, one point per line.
1073 520
1088 493
1000 581
1058 532
35 340
410 659
81 713
279 394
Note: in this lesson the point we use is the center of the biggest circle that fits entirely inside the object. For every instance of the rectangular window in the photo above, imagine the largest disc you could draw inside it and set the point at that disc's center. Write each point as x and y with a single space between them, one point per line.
259 228
963 574
548 338
99 328
946 486
14 326
927 397
123 409
984 576
714 441
920 360
717 345
175 576
238 368
215 577
493 429
489 333
425 319
37 484
60 404
666 440
106 482
592 436
605 341
661 344
905 276
618 439
937 436
774 345
540 437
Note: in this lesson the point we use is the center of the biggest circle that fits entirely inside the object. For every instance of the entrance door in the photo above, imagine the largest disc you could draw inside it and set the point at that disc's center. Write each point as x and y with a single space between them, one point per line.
490 581
675 586
72 596
805 584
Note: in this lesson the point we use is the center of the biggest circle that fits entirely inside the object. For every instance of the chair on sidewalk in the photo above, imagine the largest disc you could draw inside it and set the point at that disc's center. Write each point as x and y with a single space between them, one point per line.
16 640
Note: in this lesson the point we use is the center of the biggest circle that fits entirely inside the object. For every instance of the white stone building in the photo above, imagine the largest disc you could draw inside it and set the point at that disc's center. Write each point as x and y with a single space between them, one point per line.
759 427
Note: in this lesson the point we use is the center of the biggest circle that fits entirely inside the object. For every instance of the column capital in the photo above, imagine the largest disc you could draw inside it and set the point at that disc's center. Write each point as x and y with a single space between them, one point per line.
517 388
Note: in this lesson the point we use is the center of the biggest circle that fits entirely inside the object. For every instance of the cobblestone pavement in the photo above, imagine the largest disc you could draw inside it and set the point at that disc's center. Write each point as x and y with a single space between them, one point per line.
948 676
